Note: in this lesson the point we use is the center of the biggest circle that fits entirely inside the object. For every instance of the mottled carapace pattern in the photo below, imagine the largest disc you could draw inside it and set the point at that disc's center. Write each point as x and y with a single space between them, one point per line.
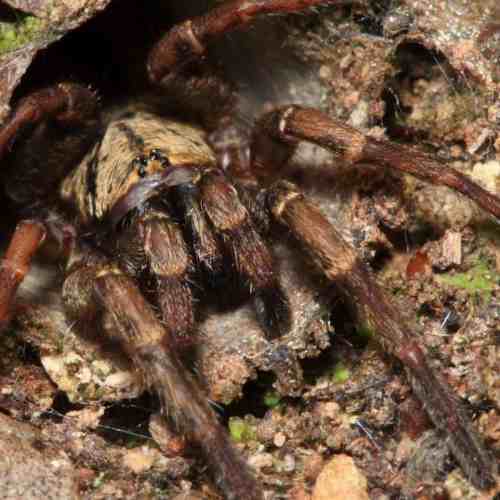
124 156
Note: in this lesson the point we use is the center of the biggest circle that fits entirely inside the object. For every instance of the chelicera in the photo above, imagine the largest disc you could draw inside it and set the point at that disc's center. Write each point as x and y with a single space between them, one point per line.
143 203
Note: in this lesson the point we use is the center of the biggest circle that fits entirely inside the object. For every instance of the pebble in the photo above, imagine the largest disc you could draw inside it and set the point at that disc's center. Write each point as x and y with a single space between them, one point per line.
141 459
289 463
260 461
340 479
279 439
488 174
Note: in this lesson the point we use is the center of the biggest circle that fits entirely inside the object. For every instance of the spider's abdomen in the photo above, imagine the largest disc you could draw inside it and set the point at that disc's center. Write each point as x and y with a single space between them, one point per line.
134 147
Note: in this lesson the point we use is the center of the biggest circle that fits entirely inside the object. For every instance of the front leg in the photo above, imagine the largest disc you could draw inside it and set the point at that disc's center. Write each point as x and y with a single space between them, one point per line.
174 62
96 289
16 263
279 131
339 262
188 41
68 103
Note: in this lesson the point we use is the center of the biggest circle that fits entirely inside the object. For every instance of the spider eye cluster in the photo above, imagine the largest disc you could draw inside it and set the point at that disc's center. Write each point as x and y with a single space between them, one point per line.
141 162
156 154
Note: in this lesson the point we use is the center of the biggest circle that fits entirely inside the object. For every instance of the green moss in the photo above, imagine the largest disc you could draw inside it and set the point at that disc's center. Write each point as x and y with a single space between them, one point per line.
240 430
480 280
99 480
365 332
14 35
271 399
340 373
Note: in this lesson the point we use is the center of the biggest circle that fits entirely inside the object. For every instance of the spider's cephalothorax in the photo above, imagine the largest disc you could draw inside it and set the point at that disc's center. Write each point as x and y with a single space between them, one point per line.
158 213
134 146
146 179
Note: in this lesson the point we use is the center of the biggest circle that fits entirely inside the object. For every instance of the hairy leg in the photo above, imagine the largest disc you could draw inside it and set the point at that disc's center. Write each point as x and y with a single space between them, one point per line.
94 286
188 41
279 131
171 267
16 263
207 249
150 248
251 256
68 103
339 263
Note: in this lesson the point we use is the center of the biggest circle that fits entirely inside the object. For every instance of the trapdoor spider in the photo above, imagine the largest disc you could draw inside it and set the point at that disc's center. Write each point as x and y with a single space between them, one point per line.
159 211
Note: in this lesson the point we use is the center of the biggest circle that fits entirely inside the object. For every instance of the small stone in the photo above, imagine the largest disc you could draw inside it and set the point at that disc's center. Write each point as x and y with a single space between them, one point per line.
340 479
260 461
289 463
328 409
456 152
325 72
88 418
120 380
487 174
279 439
140 459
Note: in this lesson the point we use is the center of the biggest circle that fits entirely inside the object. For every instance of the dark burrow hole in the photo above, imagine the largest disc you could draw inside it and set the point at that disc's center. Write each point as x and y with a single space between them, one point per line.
413 61
259 396
122 423
27 353
255 398
405 241
61 405
347 342
128 420
323 364
108 52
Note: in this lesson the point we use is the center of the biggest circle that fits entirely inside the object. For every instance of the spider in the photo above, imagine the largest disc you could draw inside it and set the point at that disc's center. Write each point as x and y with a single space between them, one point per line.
142 206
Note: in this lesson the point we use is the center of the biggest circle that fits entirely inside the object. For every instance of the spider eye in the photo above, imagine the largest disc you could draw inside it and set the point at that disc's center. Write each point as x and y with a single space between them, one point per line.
140 163
157 155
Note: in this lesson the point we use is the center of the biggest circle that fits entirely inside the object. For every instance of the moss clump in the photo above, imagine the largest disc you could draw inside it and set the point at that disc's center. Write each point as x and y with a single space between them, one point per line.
16 34
241 431
340 373
365 333
480 280
271 399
